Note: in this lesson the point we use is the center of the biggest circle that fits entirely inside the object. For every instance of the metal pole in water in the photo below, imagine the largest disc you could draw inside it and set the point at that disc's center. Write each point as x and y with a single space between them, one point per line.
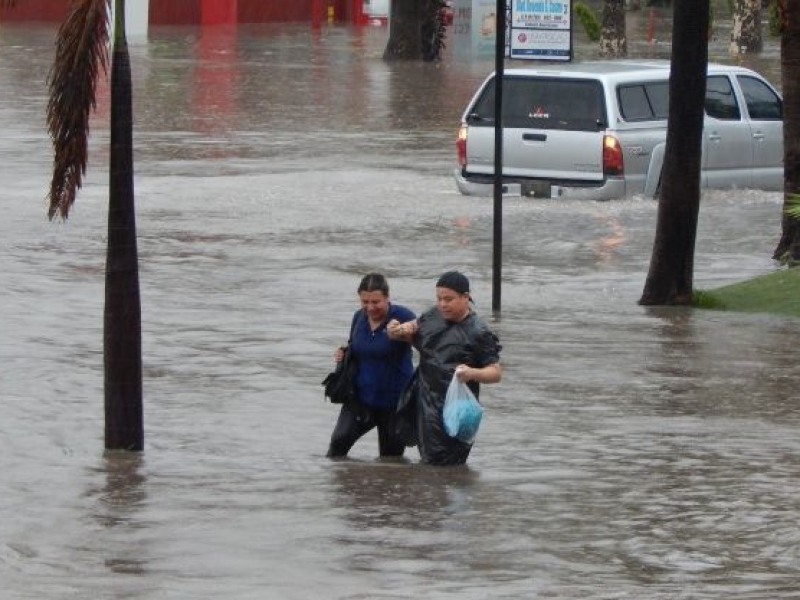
497 249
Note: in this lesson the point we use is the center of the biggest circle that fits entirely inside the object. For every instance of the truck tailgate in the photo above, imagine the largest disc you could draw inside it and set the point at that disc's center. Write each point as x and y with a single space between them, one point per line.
538 153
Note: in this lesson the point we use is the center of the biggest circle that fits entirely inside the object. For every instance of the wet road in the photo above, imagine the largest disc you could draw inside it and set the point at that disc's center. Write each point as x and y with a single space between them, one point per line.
628 453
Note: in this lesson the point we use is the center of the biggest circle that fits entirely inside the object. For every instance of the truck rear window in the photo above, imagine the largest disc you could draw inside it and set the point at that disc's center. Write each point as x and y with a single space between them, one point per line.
644 101
542 103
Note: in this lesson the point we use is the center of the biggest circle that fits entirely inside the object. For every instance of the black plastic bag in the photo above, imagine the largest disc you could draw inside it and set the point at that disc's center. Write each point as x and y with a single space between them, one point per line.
405 418
340 384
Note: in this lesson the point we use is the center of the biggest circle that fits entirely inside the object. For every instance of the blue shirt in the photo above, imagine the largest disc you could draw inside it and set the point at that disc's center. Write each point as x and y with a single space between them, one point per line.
384 365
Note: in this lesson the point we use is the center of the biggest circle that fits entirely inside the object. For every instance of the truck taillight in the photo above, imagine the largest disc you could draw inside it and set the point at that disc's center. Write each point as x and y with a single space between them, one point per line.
461 146
612 156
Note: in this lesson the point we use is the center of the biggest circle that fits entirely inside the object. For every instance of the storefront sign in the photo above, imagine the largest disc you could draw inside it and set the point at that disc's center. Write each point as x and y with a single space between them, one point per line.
541 29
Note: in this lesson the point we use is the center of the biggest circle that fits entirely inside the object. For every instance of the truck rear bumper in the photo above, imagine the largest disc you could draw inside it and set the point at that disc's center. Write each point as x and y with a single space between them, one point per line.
607 189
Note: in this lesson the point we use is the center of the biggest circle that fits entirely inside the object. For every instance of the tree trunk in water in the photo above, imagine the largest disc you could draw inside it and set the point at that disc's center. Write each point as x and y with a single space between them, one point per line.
670 278
746 32
405 41
789 245
416 30
122 316
614 40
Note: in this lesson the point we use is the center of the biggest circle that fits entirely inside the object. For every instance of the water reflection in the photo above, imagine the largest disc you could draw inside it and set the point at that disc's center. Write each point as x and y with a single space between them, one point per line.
384 495
606 247
124 492
119 510
679 359
213 99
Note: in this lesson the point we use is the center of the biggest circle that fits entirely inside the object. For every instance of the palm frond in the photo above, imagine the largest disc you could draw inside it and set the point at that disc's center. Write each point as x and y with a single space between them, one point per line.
793 206
81 53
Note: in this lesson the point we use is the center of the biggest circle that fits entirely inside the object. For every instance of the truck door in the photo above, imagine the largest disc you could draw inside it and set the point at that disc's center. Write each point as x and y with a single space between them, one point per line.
727 141
765 110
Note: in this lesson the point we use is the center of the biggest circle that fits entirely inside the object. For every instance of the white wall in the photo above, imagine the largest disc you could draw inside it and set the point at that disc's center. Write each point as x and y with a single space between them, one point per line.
376 8
473 27
136 17
137 14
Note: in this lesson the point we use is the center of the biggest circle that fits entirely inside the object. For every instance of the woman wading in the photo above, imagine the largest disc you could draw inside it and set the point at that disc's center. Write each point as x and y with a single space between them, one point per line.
384 368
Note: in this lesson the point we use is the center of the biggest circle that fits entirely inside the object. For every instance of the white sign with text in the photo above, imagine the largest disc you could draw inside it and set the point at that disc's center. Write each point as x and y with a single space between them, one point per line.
541 29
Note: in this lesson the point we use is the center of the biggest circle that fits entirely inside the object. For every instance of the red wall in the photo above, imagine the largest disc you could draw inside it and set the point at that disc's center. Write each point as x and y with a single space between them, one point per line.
274 11
37 10
174 12
194 12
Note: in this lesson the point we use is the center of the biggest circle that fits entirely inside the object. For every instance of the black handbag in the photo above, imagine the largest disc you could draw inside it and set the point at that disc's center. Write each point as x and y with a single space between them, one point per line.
340 384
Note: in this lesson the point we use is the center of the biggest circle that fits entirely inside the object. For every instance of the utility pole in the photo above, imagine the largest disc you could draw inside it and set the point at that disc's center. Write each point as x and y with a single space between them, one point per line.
497 252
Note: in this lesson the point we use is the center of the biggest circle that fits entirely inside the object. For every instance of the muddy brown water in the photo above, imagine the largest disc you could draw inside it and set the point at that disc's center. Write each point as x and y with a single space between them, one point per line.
628 453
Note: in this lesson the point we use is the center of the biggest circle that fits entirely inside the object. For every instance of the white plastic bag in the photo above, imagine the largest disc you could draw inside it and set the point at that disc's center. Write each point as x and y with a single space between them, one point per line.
462 412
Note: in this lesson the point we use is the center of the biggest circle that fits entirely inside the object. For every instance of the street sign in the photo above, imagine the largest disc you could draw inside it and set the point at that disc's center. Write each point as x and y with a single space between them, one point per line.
541 30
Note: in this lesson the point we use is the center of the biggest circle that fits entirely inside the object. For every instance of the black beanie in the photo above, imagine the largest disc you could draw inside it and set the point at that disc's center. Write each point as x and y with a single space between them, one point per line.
455 281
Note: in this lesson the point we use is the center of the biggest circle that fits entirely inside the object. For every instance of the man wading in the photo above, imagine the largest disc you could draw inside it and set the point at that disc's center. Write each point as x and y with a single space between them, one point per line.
451 338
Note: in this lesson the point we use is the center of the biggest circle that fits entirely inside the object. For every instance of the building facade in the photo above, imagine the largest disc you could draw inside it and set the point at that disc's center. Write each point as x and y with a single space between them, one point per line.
210 12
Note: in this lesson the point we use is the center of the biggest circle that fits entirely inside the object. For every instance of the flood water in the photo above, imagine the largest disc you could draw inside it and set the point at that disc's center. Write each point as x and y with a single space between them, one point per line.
648 454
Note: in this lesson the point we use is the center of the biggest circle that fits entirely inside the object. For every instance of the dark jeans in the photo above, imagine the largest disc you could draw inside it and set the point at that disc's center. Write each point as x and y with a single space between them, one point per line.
355 420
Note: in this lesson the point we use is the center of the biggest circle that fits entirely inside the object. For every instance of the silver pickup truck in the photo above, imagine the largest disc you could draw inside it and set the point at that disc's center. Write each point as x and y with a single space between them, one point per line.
597 130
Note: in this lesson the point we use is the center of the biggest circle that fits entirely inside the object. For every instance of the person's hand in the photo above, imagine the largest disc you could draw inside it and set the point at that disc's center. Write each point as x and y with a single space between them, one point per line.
406 330
338 354
393 328
409 328
464 373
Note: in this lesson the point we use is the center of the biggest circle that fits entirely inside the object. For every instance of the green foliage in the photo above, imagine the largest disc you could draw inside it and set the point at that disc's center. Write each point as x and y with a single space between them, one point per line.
712 15
776 293
588 20
707 300
793 206
773 19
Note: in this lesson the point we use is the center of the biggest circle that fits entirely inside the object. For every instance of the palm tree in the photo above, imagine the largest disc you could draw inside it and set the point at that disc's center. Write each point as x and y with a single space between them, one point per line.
416 30
81 54
746 35
671 274
789 17
614 40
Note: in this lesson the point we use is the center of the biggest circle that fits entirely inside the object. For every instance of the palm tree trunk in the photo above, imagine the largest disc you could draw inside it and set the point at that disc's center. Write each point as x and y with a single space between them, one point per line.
746 32
614 40
405 20
416 30
122 318
670 278
789 245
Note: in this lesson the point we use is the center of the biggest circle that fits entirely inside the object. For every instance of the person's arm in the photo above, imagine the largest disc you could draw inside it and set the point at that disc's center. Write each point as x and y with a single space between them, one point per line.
338 354
492 373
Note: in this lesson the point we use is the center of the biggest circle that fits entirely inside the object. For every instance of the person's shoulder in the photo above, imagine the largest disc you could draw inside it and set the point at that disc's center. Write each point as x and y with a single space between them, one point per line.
479 325
430 314
358 317
484 339
402 313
